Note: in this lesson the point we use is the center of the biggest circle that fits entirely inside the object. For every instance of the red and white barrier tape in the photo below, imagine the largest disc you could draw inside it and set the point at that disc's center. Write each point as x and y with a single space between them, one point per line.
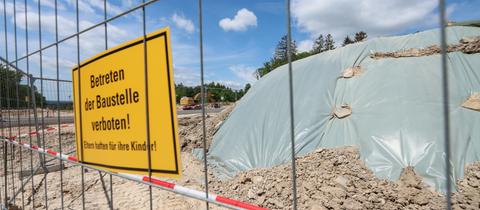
174 187
46 130
49 151
195 193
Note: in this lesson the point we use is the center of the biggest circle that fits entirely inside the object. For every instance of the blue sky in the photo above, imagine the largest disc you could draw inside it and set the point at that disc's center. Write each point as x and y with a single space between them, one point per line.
238 35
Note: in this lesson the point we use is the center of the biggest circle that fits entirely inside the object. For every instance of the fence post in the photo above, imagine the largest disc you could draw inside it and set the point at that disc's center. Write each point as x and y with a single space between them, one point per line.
18 102
77 35
106 48
35 118
5 170
292 119
58 105
202 93
446 101
45 172
145 62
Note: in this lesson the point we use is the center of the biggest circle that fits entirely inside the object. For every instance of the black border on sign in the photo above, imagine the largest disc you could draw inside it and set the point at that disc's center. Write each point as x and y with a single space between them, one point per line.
176 171
172 122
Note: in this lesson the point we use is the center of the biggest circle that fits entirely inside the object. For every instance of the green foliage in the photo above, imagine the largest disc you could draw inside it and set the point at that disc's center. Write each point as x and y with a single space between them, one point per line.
247 87
281 49
347 41
360 36
319 45
9 79
216 90
305 54
329 43
270 66
280 56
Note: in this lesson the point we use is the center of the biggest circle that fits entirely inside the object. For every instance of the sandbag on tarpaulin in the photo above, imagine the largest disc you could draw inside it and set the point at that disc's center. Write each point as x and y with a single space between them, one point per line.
396 107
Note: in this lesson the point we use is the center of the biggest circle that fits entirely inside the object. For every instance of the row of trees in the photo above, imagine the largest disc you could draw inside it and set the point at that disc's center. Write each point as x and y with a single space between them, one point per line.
321 44
218 91
9 79
359 36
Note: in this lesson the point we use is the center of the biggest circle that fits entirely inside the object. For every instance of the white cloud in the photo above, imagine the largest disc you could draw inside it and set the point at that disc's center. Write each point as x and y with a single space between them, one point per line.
65 25
186 76
51 4
191 76
91 42
50 64
82 6
185 54
229 83
9 7
183 23
305 45
245 73
376 17
128 3
91 5
242 20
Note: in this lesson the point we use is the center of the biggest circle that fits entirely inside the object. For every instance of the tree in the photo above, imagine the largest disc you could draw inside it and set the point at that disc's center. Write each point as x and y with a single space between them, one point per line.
215 91
281 49
347 41
304 55
279 58
10 80
319 45
182 90
247 87
267 67
329 43
360 36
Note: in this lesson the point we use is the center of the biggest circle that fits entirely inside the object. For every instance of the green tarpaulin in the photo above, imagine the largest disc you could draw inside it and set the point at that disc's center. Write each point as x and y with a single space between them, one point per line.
396 106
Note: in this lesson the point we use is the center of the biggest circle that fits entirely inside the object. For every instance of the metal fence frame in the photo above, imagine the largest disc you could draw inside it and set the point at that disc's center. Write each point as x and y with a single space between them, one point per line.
40 124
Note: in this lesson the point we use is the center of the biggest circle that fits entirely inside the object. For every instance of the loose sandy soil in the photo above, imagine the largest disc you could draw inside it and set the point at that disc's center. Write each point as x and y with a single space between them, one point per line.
338 179
468 45
326 179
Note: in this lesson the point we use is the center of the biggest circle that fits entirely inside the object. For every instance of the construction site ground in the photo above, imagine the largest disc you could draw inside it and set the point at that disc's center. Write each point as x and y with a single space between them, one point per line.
328 178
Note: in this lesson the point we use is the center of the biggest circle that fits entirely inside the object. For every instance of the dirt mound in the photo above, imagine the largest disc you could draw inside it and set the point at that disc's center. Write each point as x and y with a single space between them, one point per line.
468 196
467 45
338 179
191 129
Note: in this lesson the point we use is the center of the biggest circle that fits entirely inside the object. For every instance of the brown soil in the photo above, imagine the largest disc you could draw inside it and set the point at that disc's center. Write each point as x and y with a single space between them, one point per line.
191 129
338 179
472 102
466 45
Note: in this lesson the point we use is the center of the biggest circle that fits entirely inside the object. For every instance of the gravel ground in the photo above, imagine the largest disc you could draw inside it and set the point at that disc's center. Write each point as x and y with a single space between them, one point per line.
191 129
338 179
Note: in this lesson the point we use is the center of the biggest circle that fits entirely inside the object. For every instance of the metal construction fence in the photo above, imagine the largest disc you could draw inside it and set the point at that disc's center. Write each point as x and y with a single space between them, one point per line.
36 111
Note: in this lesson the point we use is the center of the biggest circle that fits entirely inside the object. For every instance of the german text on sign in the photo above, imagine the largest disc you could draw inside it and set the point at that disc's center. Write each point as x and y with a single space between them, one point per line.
119 106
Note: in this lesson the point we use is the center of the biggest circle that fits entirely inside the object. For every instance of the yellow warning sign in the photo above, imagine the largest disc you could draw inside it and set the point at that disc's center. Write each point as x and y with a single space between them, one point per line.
120 103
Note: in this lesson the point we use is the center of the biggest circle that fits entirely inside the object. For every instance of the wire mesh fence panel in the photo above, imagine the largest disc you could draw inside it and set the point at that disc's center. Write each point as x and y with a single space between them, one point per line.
39 167
276 135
